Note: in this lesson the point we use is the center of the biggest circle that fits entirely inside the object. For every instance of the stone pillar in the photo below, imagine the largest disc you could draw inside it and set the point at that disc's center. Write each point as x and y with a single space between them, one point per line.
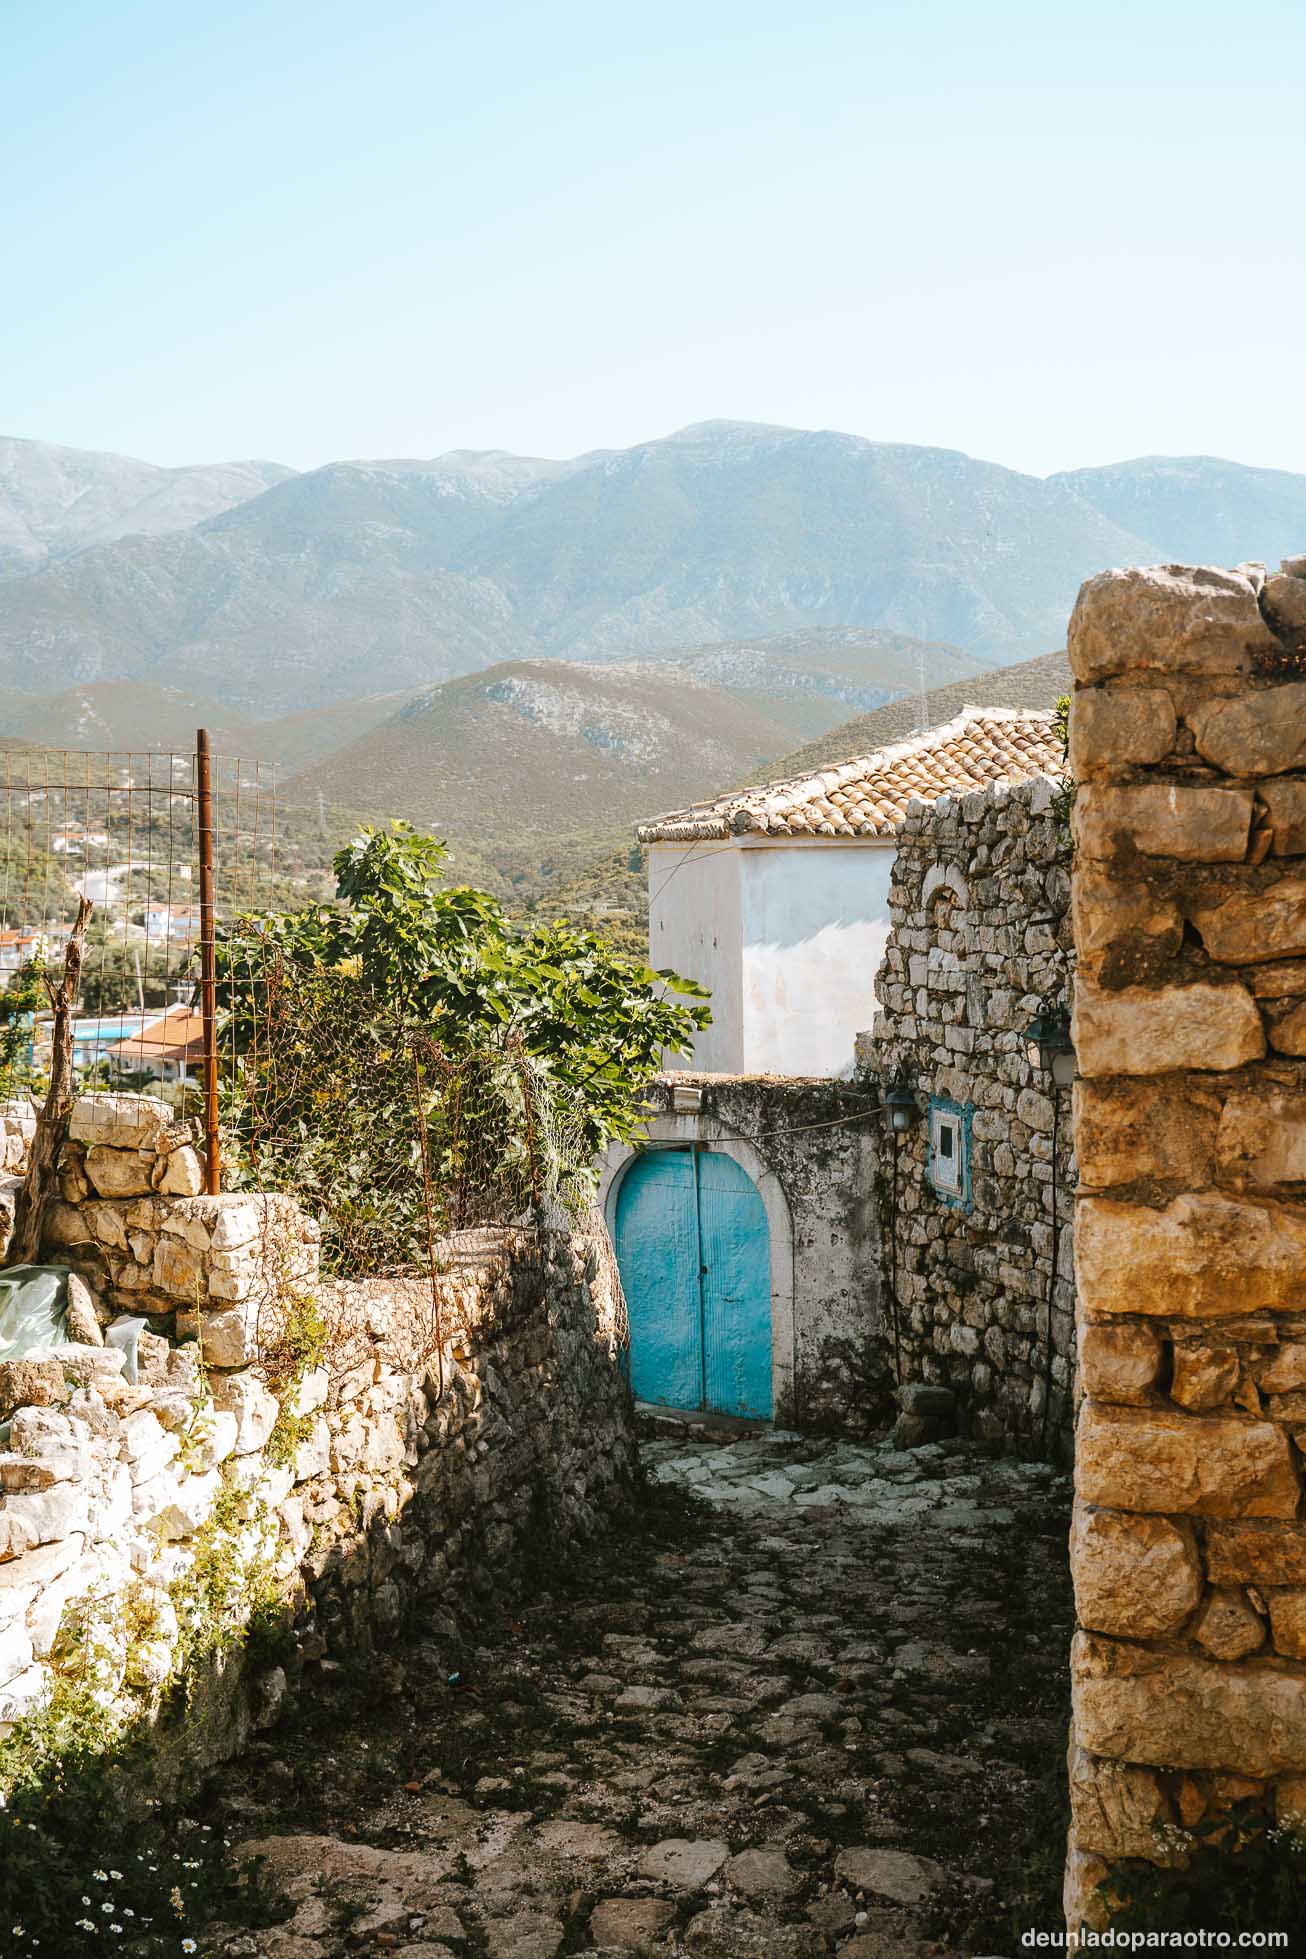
1188 743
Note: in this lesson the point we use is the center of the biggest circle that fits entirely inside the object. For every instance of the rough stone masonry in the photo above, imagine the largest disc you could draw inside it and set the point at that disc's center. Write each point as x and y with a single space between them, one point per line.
436 1441
980 934
1188 742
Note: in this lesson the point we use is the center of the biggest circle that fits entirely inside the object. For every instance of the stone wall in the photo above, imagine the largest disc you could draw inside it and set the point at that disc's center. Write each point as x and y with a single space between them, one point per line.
811 1147
439 1440
1189 1556
980 933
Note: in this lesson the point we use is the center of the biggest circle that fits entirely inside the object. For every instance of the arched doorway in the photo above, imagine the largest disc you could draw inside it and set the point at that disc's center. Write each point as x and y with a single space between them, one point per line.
694 1248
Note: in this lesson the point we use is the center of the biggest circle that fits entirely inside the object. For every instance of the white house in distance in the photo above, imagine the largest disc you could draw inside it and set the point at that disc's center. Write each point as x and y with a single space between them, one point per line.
777 897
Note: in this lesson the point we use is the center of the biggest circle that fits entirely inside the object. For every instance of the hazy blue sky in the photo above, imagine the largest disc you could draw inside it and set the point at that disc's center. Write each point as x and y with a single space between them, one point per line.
1046 234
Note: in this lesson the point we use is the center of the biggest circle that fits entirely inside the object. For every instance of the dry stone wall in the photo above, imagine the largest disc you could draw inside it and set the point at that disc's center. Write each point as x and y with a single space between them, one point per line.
1188 741
980 933
440 1439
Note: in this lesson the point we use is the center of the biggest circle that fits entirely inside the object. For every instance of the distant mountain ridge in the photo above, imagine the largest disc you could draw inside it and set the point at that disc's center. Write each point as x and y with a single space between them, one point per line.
553 749
55 501
378 577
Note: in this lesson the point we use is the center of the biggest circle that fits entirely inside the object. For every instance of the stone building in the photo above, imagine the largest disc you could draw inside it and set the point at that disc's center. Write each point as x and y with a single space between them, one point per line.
1188 738
976 1193
748 1238
777 898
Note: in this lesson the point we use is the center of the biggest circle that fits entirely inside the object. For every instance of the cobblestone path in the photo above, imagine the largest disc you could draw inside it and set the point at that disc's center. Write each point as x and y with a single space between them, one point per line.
815 1706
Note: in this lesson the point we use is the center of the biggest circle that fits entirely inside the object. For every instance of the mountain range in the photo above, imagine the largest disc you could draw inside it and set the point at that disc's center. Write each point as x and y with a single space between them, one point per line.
529 655
543 749
365 578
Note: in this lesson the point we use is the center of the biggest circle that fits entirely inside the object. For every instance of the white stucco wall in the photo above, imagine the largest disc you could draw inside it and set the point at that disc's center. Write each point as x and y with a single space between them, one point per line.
815 924
788 936
694 927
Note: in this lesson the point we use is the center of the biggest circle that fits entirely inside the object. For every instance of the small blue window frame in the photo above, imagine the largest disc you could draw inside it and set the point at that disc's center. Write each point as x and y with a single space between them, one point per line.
964 1112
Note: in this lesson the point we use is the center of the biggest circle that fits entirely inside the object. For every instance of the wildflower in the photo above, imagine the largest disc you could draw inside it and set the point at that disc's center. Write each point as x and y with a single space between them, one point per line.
189 1945
86 1925
115 1928
115 1874
17 1931
101 1877
107 1908
86 1901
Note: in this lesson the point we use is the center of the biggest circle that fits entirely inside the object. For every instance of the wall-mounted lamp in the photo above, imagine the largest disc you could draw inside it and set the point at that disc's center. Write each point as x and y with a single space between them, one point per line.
1048 1044
901 1103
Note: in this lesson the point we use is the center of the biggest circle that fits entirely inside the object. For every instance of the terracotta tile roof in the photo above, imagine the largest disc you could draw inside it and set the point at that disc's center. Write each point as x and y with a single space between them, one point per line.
177 1035
868 796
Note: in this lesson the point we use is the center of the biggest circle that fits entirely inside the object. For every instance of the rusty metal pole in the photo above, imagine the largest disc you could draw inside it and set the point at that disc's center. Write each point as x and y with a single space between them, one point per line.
208 961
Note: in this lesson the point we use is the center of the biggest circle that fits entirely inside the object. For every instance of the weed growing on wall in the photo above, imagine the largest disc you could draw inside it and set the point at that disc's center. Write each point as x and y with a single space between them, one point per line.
86 1863
1244 1874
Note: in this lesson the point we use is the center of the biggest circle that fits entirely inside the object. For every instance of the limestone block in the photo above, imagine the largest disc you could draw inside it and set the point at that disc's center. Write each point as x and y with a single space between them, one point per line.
190 1504
1127 1459
31 1383
1082 1899
235 1275
1261 1137
1139 1576
111 1505
1204 1375
1288 1622
67 1224
1287 1028
147 1447
15 1651
256 1411
1120 1363
1138 1130
228 1337
311 1393
1175 618
313 1456
118 1173
125 1122
91 1367
1285 1370
1205 1256
60 1445
219 1432
41 1566
1140 1030
1249 927
1277 979
1194 825
1253 734
1256 1554
1117 1811
1114 728
184 1174
42 1517
178 1268
82 1313
106 1225
1228 1626
19 1473
1169 1710
1286 804
181 1223
235 1220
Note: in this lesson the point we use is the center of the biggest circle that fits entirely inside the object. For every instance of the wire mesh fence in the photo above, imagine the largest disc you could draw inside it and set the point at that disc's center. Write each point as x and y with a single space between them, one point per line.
388 1136
123 830
296 1077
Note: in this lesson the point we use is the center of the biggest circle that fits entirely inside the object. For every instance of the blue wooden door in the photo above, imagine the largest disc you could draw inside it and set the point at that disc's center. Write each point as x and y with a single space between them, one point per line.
694 1249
